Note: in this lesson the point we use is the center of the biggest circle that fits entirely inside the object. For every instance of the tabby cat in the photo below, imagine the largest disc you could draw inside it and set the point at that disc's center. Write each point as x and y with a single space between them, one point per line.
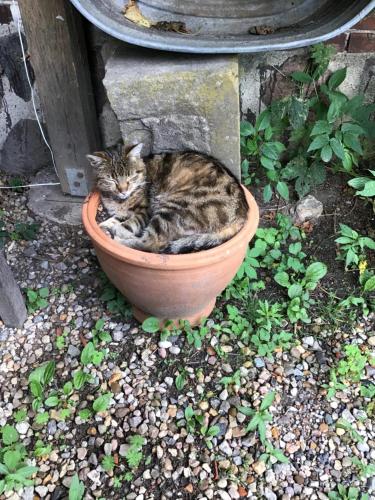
168 203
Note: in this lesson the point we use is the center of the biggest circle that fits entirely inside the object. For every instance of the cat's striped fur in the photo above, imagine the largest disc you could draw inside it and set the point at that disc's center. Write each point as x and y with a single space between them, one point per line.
169 203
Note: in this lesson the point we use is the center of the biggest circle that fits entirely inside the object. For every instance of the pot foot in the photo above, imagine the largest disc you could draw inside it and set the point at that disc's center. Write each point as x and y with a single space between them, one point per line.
194 320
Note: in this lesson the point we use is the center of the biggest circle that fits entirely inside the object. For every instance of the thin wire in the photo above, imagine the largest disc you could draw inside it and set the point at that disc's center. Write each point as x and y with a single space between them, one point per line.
19 22
31 185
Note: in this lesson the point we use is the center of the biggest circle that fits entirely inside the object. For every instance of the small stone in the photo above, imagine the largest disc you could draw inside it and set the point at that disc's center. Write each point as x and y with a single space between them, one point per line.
165 344
73 351
226 449
340 431
175 350
42 491
309 208
337 465
224 495
371 341
259 467
81 453
363 447
223 395
299 479
289 437
323 428
233 492
118 335
259 363
270 495
94 475
309 341
22 427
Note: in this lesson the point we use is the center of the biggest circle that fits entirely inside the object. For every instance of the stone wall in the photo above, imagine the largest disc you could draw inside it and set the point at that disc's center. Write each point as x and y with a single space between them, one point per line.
21 148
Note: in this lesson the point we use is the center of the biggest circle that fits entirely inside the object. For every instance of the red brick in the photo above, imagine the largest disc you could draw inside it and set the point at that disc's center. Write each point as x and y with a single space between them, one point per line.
368 23
361 42
339 42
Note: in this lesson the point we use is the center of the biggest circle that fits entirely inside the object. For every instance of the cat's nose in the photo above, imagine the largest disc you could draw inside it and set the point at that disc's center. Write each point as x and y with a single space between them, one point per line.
123 188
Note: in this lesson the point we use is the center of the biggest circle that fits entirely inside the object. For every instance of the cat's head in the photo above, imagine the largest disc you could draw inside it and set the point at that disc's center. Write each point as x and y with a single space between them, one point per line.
119 173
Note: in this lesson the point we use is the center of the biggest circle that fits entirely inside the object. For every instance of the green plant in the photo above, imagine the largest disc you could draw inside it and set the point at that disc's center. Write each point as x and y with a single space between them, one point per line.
20 415
38 380
334 385
36 299
14 472
352 246
84 414
114 300
61 340
342 423
259 418
197 423
352 367
76 489
365 470
108 463
24 231
181 379
80 378
258 143
134 454
349 493
42 450
99 335
368 391
102 403
90 355
195 336
234 379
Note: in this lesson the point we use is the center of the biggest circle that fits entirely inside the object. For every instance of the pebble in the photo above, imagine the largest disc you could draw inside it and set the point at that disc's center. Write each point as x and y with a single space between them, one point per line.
81 453
226 449
22 427
73 351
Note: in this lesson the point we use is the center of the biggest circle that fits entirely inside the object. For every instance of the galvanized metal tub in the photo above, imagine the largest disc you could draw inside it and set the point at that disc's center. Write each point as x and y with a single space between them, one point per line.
222 26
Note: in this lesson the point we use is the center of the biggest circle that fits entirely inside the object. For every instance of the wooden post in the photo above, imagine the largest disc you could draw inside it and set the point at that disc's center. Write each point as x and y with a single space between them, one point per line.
12 306
58 56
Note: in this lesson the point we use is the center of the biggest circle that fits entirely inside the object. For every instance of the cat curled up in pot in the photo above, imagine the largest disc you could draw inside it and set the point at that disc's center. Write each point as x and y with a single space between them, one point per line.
171 203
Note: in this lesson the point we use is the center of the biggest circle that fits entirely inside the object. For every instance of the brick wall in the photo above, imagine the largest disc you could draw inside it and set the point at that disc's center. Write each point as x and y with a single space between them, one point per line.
359 39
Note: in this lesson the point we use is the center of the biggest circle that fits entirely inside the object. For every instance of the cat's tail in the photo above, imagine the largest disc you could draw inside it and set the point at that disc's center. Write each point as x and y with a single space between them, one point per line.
205 241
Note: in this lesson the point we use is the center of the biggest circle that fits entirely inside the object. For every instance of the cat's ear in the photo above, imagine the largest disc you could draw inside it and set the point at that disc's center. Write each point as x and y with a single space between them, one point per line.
96 159
135 152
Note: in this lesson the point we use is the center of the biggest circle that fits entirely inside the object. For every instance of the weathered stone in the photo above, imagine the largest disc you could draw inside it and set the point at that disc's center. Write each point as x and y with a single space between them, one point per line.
309 208
50 203
174 102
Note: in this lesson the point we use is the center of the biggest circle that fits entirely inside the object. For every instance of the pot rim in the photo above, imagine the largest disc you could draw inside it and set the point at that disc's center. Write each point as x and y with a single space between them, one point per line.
166 261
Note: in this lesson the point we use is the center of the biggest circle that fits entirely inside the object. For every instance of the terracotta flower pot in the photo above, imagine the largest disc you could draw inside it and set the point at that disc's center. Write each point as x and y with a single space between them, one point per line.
170 286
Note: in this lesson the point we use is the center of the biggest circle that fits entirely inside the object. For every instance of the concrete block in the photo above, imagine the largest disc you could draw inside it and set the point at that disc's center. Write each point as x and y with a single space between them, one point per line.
174 102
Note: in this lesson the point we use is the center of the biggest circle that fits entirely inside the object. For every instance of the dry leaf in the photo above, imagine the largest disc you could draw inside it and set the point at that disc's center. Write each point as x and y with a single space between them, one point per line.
175 26
262 30
132 13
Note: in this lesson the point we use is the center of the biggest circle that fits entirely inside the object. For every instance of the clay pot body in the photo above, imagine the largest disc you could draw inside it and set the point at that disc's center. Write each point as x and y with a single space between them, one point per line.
170 286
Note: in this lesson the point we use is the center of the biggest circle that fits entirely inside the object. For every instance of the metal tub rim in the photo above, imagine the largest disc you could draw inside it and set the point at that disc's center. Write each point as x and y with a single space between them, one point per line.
133 34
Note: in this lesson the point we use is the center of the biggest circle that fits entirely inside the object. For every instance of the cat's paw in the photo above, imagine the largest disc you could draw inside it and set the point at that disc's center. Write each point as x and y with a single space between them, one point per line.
109 226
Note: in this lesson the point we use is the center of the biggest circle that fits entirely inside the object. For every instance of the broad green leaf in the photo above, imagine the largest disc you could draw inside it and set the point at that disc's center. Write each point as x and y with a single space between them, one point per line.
52 401
213 430
32 296
301 77
295 290
87 353
9 434
282 278
283 190
267 163
151 325
102 403
298 112
99 324
319 142
246 129
368 190
337 78
353 128
263 121
351 141
43 292
358 182
11 459
338 148
76 489
321 127
370 285
249 412
316 271
326 153
36 388
267 193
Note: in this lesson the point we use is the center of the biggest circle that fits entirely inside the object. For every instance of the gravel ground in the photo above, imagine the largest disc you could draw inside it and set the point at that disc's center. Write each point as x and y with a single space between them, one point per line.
139 372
